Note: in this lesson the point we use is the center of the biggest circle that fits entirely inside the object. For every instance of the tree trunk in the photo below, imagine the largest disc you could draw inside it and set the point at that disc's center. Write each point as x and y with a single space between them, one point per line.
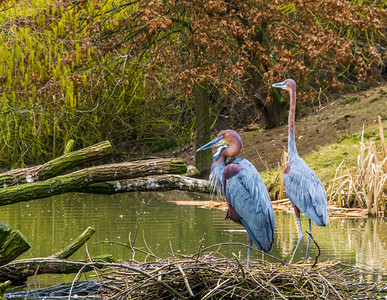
150 183
275 112
77 181
203 159
56 166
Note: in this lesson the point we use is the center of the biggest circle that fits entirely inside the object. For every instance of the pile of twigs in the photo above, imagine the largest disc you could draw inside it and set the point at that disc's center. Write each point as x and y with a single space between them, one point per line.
365 185
213 277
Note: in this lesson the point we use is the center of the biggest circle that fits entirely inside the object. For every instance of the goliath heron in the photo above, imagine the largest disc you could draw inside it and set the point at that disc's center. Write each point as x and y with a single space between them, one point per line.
247 197
303 188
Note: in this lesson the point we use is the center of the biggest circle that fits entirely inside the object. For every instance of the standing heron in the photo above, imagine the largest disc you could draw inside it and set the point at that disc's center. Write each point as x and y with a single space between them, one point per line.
247 197
303 188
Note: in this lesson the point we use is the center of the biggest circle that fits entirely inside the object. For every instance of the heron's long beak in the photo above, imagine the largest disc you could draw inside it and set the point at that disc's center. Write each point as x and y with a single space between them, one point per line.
213 143
280 85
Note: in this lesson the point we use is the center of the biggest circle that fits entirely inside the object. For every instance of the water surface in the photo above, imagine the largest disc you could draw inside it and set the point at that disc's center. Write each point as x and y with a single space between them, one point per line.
154 224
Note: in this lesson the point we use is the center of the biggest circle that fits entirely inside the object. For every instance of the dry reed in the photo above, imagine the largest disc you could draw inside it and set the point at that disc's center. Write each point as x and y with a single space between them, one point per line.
365 185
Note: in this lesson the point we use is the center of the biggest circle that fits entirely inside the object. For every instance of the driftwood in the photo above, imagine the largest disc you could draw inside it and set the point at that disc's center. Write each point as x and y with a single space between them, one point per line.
19 270
150 183
56 166
12 243
77 181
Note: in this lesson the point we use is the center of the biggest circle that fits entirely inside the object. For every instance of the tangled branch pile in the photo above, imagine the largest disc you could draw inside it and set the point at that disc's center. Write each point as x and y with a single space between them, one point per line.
365 185
209 277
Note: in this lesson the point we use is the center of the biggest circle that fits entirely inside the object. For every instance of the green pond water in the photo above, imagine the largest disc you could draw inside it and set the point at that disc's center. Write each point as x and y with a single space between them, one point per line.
161 226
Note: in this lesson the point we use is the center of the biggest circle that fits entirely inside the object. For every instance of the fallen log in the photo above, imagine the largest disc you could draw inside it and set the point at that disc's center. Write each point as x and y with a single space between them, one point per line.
150 183
12 243
77 181
75 245
19 270
56 166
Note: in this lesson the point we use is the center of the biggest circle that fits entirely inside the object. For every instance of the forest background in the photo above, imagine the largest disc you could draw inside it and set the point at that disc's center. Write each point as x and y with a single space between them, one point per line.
160 74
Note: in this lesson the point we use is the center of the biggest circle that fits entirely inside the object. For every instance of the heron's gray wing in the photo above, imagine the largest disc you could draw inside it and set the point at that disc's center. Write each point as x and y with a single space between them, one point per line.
248 195
305 190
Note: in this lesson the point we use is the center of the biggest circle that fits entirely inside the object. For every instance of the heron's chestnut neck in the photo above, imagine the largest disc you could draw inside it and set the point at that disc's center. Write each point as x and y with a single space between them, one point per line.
292 150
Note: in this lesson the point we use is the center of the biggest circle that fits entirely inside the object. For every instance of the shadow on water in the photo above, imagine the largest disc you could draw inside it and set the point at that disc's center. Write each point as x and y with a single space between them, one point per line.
157 225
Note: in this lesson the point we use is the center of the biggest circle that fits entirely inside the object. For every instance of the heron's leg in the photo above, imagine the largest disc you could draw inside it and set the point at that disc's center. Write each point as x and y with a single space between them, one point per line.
309 238
300 237
249 244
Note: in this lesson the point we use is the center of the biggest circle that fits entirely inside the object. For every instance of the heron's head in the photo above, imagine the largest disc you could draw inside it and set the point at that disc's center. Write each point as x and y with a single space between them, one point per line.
229 144
288 84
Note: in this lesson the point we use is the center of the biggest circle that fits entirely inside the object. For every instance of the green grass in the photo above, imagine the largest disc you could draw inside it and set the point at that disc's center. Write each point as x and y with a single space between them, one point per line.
350 100
326 160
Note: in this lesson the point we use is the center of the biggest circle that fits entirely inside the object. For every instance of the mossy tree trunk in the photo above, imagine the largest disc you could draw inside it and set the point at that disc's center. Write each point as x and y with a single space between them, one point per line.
56 166
203 159
150 183
76 181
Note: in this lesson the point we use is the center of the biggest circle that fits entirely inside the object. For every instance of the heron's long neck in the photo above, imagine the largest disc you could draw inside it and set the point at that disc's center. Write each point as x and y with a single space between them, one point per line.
292 150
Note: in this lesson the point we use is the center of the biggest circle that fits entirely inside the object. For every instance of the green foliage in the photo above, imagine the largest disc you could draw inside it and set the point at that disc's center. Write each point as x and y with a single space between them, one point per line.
61 82
124 71
162 144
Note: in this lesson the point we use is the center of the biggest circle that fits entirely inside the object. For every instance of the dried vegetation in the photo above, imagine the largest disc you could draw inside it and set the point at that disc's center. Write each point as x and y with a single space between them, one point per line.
365 185
211 276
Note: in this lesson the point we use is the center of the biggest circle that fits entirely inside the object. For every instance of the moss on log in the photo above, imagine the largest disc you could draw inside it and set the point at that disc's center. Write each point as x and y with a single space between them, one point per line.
78 180
56 166
5 231
150 183
12 243
18 271
75 245
3 287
